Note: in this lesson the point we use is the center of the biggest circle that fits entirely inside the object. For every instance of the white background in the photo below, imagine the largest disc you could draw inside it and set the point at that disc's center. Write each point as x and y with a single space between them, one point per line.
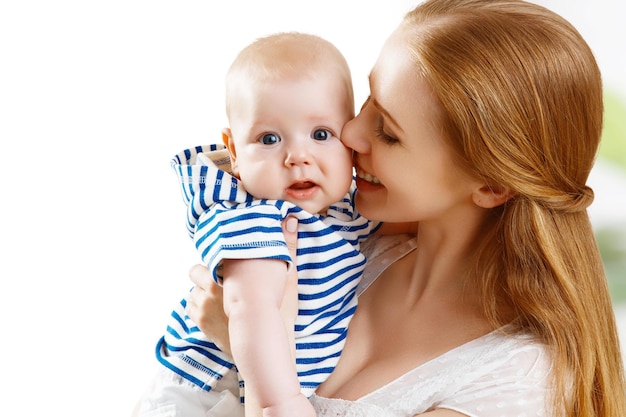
95 98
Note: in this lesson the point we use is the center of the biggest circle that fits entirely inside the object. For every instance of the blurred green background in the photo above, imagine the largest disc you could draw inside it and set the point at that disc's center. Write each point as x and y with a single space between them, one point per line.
611 233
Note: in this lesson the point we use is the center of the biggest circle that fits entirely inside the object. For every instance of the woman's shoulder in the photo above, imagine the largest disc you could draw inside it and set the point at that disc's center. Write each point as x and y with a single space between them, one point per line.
380 252
513 378
495 359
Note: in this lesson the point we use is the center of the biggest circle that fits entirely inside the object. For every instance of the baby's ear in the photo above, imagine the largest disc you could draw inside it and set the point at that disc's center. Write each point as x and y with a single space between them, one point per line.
227 139
490 196
226 135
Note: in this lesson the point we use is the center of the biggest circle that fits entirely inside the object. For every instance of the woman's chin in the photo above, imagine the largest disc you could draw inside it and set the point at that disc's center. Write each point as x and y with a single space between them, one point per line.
369 200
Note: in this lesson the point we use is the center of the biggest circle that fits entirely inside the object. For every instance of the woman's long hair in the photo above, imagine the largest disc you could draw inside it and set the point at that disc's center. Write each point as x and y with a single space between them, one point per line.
523 98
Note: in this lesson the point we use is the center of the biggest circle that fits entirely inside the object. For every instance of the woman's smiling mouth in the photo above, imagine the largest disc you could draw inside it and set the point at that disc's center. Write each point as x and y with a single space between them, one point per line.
367 176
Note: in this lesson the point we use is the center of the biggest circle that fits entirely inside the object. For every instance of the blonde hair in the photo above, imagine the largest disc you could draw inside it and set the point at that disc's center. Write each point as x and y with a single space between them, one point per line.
286 55
522 95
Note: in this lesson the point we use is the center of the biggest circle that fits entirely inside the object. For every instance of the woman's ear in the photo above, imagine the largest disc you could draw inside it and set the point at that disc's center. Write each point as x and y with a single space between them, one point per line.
490 196
227 139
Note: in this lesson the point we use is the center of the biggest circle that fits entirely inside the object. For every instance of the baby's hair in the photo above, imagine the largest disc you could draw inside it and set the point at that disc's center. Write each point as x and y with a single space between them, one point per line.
282 56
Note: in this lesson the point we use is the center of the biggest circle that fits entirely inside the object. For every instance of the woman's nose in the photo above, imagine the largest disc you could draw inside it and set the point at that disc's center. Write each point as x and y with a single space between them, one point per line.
354 134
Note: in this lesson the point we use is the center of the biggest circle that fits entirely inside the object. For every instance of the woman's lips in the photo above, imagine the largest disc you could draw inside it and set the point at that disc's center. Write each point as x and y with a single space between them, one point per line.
367 176
365 181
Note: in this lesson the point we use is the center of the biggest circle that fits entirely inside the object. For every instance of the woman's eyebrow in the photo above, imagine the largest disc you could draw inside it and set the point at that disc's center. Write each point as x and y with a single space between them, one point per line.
385 113
381 109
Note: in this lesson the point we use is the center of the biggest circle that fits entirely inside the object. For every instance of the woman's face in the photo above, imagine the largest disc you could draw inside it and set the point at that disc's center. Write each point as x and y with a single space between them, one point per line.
405 169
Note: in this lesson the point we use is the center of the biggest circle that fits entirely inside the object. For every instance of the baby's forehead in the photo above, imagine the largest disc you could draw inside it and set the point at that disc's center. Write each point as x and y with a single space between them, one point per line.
323 94
306 105
286 55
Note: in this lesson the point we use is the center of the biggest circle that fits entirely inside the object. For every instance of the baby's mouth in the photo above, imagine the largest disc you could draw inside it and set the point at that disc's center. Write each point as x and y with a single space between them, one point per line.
302 190
302 185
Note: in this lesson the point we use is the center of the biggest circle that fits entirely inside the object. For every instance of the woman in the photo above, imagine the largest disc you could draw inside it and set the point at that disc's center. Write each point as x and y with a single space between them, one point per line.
482 125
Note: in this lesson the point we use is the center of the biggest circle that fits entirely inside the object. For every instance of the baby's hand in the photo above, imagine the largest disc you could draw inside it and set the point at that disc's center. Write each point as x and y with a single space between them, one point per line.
298 406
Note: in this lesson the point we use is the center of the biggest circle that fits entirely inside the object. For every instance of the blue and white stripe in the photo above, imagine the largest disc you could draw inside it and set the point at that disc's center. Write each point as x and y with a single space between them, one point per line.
226 222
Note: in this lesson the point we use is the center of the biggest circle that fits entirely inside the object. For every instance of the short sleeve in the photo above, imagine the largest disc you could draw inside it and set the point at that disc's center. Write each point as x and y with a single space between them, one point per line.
240 232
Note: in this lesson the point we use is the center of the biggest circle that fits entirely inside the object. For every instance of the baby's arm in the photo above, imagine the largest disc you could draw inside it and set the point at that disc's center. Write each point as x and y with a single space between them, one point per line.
260 343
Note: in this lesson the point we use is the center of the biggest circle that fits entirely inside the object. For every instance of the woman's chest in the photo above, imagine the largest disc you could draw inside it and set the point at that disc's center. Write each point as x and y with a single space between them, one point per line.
390 336
373 356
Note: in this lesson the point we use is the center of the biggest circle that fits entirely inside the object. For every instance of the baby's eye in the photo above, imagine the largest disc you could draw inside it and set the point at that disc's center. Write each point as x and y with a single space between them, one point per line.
321 134
270 139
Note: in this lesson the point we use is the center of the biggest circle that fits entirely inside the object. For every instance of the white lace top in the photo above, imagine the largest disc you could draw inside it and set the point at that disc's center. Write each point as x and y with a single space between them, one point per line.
492 376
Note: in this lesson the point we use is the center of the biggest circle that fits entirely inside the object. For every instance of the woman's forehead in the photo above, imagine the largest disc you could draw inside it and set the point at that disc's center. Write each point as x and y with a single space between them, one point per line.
398 85
395 72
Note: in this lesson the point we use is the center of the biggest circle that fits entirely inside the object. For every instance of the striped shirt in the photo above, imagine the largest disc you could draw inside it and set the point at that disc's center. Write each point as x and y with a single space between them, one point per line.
225 222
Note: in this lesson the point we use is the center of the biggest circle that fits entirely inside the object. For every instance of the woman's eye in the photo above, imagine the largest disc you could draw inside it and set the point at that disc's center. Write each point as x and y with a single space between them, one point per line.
321 134
385 137
270 139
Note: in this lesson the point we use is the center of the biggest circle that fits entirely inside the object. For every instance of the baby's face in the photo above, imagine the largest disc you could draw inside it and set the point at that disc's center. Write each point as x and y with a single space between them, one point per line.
286 141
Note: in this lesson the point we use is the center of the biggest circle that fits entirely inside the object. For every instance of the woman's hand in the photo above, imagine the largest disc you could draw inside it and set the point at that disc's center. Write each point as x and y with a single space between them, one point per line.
205 305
